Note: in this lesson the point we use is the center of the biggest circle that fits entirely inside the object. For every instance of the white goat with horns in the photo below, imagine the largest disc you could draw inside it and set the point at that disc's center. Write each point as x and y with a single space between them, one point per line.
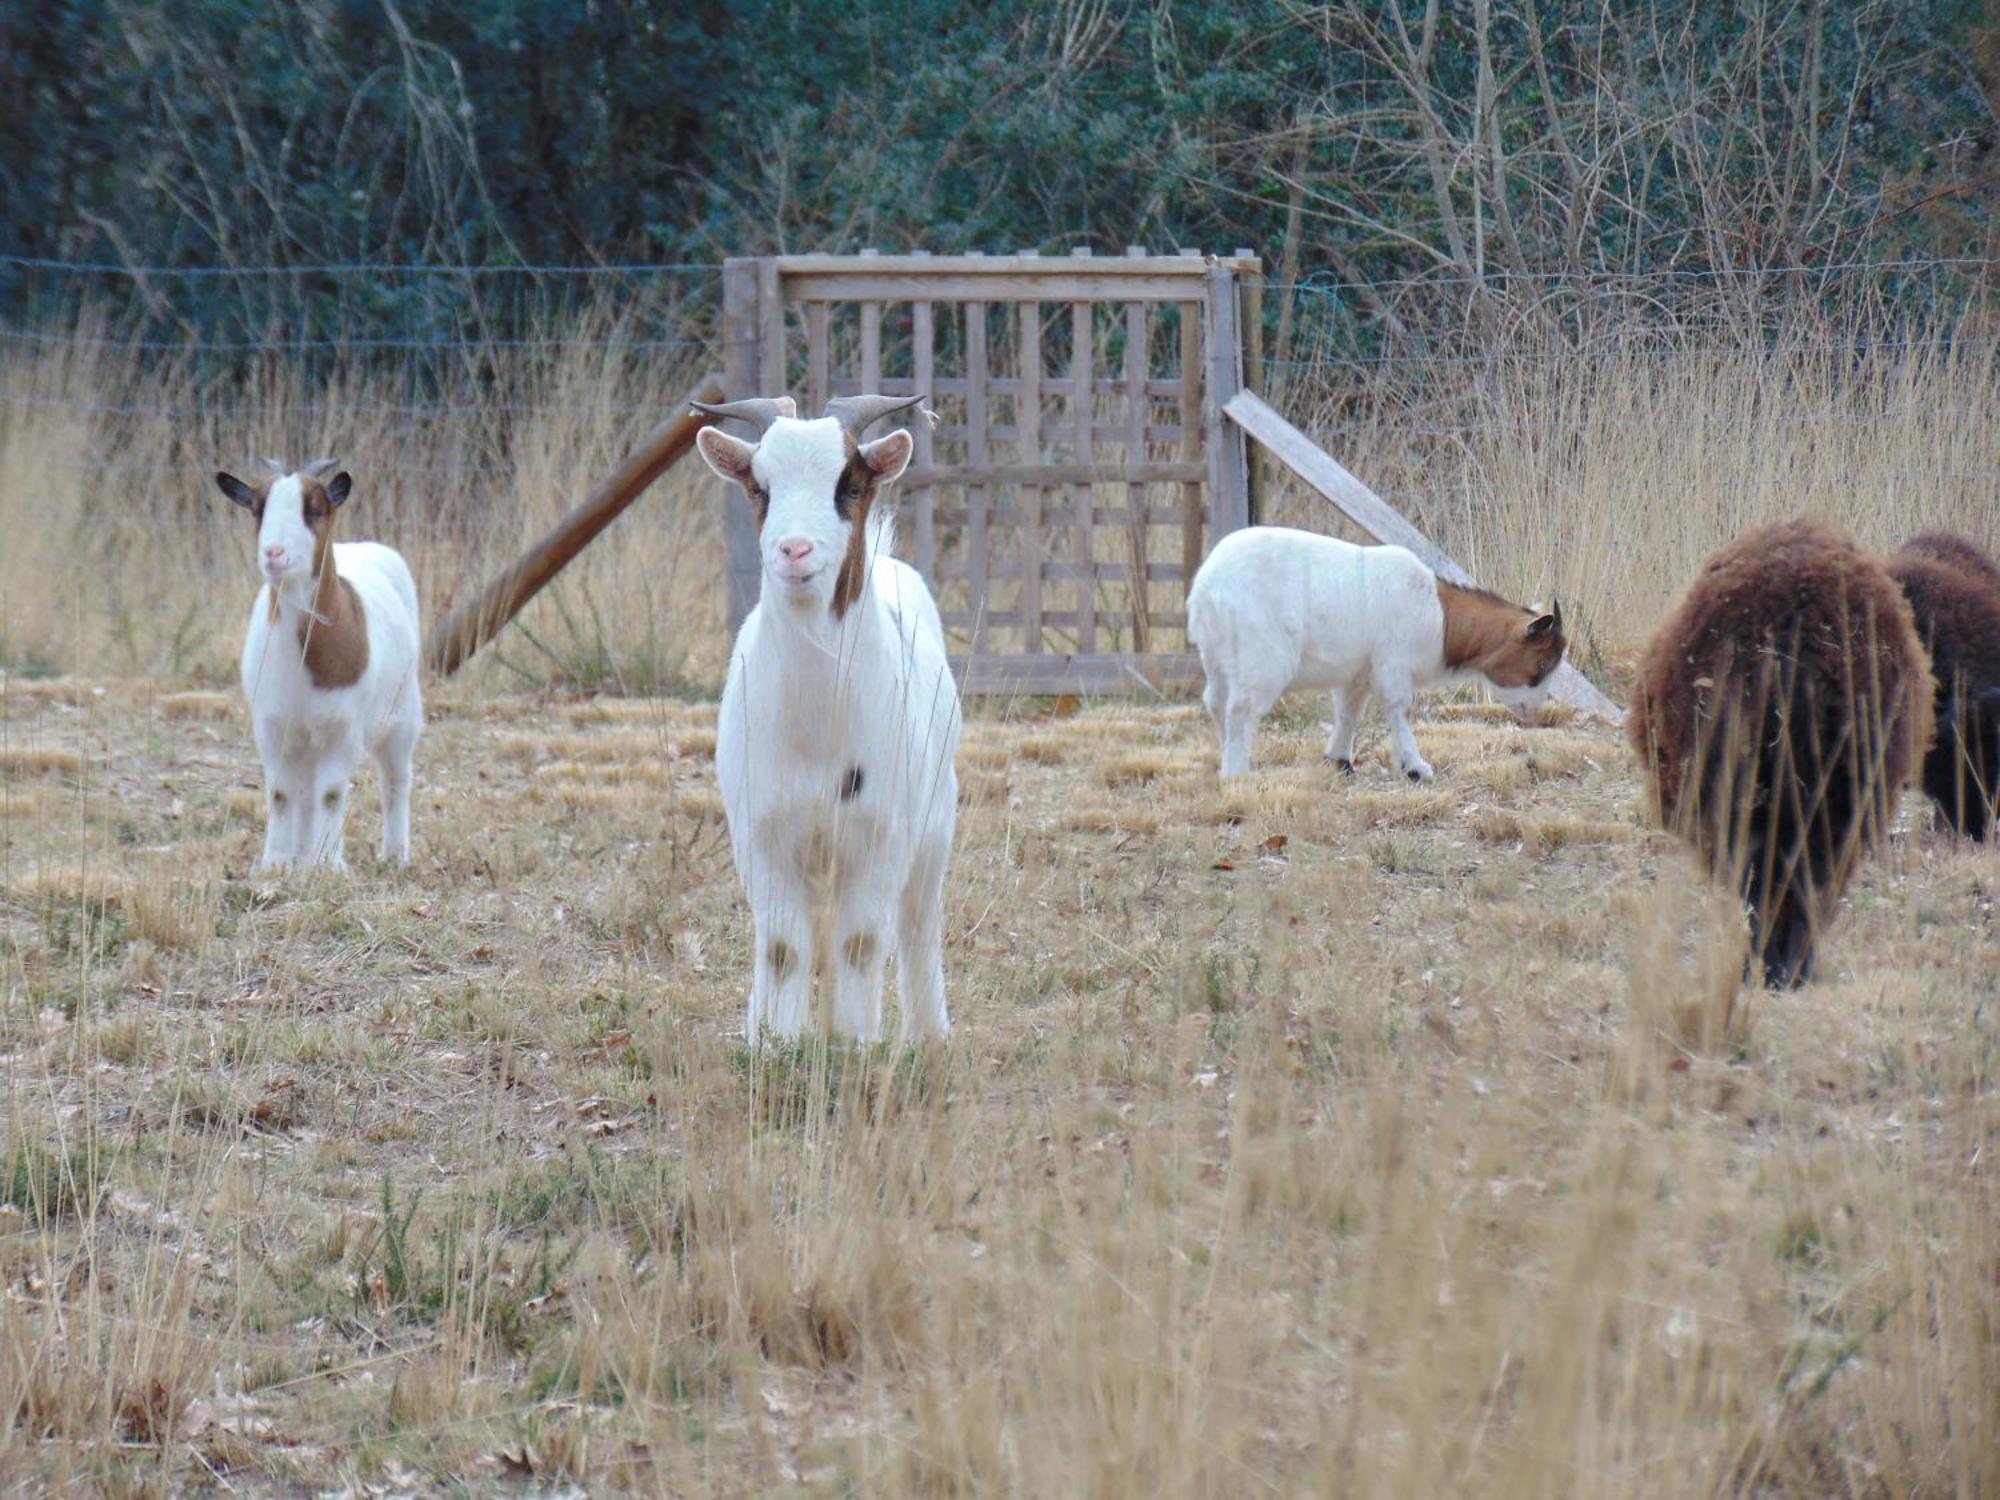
838 728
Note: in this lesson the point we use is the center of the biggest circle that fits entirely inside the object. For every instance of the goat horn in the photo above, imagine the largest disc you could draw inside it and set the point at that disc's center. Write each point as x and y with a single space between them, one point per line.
278 470
1556 609
319 466
759 411
856 414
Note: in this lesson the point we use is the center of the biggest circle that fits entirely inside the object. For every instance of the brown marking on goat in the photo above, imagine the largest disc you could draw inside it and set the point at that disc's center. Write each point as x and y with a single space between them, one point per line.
1954 593
782 958
334 637
854 497
1779 709
859 951
1484 633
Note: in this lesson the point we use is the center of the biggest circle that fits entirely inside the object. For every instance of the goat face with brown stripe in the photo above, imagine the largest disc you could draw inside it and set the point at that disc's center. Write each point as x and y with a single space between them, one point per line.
294 516
811 486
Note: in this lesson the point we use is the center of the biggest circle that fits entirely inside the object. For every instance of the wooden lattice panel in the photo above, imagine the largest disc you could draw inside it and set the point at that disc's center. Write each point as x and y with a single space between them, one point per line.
1081 466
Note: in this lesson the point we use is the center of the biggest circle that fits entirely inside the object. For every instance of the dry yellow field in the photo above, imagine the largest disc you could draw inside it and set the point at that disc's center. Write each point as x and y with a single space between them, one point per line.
1307 1137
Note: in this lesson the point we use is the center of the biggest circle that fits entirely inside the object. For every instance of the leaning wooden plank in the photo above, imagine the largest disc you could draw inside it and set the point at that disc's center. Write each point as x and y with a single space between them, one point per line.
479 619
1385 523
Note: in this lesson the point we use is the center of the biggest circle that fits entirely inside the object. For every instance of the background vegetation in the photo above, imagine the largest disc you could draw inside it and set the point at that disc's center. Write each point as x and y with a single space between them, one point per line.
1525 152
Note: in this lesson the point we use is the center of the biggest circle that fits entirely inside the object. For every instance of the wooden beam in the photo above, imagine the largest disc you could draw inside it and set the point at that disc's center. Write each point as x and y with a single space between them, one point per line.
1100 672
1385 523
1074 282
480 618
998 266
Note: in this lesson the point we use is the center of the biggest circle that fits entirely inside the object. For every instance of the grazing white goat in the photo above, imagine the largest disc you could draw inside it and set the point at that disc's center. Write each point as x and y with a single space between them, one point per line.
838 727
329 667
1273 609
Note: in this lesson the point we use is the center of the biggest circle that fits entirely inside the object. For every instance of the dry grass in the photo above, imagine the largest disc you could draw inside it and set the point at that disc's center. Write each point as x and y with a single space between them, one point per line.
1381 1140
1305 1135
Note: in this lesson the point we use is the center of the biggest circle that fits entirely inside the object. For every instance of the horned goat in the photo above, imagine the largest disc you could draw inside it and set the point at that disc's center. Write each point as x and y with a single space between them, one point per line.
1779 709
329 667
838 727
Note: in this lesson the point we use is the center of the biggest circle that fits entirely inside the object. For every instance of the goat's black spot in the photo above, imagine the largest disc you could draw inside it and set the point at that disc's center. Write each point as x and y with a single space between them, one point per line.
332 798
850 784
278 800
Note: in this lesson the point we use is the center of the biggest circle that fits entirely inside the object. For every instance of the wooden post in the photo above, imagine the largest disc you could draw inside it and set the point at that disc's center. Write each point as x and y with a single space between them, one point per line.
1028 427
480 618
871 343
818 383
1250 277
977 562
773 365
1385 523
1229 492
1082 496
741 355
1137 408
923 356
1191 441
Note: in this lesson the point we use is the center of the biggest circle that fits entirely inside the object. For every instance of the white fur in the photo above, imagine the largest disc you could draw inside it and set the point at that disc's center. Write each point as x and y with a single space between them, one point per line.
1273 609
311 739
808 700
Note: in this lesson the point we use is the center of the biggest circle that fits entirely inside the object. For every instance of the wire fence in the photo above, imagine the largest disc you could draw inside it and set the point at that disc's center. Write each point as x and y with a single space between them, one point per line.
430 346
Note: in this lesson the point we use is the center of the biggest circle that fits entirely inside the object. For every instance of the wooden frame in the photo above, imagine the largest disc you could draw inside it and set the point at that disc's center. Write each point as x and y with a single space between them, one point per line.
1058 513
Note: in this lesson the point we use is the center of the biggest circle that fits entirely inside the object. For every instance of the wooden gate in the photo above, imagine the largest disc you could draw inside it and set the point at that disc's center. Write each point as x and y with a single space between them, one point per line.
1082 466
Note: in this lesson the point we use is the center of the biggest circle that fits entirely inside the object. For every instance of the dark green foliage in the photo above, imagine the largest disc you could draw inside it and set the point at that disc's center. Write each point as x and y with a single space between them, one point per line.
1629 140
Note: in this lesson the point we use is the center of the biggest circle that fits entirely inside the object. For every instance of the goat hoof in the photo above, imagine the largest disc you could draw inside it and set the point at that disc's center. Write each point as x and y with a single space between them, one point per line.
1416 776
1342 765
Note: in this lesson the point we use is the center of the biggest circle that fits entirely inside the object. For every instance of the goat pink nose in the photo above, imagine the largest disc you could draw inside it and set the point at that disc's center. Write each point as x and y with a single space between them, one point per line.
274 552
798 549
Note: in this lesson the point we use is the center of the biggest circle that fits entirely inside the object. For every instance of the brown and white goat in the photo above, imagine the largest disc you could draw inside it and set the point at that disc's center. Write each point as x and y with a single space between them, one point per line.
1273 608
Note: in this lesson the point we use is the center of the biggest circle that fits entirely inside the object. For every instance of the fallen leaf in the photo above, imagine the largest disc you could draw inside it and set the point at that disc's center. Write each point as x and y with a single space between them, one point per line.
1274 843
1222 864
1678 1065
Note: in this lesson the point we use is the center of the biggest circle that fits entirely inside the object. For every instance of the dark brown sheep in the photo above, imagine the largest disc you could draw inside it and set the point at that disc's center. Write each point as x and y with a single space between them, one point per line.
1954 593
1779 710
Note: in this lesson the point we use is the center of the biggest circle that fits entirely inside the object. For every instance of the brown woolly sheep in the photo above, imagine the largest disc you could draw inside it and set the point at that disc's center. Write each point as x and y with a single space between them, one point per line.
1779 710
1954 593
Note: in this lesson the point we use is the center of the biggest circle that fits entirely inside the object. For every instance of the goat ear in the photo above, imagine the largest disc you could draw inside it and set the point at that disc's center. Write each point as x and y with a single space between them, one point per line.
337 488
1544 626
728 456
236 490
889 456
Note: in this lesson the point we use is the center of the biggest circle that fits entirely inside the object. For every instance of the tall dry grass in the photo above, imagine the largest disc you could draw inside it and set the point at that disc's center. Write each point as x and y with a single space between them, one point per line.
122 557
1602 478
1606 479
